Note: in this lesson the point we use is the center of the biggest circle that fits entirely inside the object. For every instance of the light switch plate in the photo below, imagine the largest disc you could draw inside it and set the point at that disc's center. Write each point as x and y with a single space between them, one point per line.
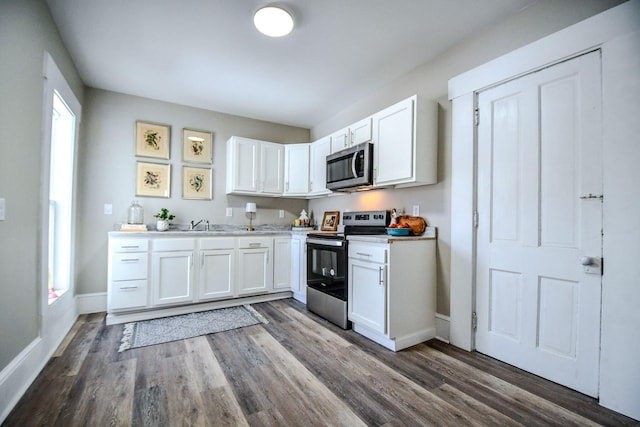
108 209
2 209
281 213
229 211
416 210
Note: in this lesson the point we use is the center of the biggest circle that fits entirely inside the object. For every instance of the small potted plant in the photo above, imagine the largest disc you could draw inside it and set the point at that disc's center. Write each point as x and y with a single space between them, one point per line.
163 219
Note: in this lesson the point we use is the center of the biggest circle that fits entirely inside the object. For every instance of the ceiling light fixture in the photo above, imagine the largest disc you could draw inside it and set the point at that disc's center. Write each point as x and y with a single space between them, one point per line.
273 21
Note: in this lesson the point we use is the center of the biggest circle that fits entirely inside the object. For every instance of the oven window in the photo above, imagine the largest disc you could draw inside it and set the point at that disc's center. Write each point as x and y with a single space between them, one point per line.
324 263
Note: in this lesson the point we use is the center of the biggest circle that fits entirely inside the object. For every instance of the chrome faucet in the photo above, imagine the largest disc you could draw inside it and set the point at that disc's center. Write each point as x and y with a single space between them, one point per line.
193 225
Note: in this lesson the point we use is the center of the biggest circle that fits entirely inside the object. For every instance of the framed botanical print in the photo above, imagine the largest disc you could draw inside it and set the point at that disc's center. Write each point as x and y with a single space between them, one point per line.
330 221
197 146
153 179
196 183
152 140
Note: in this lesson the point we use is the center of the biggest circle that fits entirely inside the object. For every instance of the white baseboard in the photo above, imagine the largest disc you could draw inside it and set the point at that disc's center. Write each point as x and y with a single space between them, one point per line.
442 327
91 303
18 375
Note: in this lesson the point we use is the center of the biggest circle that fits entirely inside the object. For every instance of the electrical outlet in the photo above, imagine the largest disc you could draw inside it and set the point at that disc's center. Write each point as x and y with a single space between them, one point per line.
416 210
2 209
229 211
281 213
108 209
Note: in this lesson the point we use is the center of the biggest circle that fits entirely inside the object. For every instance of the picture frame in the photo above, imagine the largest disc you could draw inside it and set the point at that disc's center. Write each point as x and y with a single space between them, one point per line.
196 183
153 140
153 179
330 221
197 146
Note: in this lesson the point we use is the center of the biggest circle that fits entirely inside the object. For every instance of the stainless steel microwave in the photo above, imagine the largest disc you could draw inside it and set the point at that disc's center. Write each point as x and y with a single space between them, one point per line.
350 169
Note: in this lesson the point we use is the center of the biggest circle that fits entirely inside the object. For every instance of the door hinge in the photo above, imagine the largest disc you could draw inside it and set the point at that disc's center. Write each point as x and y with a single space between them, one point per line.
474 320
475 219
476 116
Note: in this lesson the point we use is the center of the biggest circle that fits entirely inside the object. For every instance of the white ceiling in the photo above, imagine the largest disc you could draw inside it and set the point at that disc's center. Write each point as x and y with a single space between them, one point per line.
207 54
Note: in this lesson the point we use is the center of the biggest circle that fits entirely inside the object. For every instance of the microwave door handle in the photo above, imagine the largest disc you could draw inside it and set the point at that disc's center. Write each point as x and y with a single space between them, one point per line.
353 164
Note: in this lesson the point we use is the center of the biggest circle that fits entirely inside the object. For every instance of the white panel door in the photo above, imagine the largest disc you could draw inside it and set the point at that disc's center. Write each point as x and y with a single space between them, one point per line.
271 168
540 215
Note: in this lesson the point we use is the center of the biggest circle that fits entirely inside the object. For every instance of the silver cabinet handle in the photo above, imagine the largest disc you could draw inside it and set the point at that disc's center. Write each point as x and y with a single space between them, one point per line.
126 288
363 254
130 247
254 245
381 275
130 260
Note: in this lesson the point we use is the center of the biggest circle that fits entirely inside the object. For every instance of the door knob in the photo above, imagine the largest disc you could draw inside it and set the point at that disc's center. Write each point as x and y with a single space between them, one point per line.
585 260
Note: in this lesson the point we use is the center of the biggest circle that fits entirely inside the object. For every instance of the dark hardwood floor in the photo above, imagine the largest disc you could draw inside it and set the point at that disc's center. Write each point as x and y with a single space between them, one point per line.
297 370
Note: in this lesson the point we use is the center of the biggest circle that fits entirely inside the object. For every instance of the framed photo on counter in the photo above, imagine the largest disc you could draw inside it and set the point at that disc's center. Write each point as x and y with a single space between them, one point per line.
330 221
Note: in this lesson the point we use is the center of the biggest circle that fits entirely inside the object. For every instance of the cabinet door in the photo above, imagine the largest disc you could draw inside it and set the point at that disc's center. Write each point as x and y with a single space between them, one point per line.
319 151
296 168
172 277
340 140
216 274
393 136
282 263
243 164
368 295
360 132
271 168
255 271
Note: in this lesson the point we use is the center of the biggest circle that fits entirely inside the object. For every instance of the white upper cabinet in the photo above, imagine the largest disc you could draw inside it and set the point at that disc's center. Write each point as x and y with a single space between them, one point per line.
296 170
405 144
271 168
254 167
319 150
355 134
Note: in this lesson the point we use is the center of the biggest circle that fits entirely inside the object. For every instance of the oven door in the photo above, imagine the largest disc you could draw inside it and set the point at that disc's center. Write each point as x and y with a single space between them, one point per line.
326 266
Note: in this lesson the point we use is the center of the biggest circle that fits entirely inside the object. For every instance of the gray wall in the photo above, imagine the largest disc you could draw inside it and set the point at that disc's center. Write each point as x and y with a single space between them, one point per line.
26 31
107 173
430 81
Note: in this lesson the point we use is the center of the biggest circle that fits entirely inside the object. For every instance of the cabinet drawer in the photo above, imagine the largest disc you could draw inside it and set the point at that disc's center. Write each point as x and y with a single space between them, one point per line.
129 245
368 253
174 244
128 294
129 266
218 243
254 242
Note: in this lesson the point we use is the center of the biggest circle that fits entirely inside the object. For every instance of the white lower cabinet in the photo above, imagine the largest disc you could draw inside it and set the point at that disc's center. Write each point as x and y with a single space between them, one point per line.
128 271
368 294
299 266
147 276
282 263
217 268
255 265
392 296
172 271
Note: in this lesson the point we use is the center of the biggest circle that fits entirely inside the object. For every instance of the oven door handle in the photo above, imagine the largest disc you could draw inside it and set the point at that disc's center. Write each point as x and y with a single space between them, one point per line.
326 242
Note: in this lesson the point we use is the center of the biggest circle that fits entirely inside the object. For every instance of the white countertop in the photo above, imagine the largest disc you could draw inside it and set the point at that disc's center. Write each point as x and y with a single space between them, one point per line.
196 233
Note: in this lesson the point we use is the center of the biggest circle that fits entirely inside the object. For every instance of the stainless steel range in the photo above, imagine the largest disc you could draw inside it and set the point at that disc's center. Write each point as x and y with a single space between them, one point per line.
327 258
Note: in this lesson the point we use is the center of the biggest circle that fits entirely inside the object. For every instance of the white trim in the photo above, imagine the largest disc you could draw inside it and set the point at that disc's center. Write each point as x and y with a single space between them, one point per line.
18 375
572 41
91 303
442 327
116 318
398 343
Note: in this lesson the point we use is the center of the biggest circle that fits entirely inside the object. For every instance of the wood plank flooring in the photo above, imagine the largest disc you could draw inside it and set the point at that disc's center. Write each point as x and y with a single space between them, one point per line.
297 370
